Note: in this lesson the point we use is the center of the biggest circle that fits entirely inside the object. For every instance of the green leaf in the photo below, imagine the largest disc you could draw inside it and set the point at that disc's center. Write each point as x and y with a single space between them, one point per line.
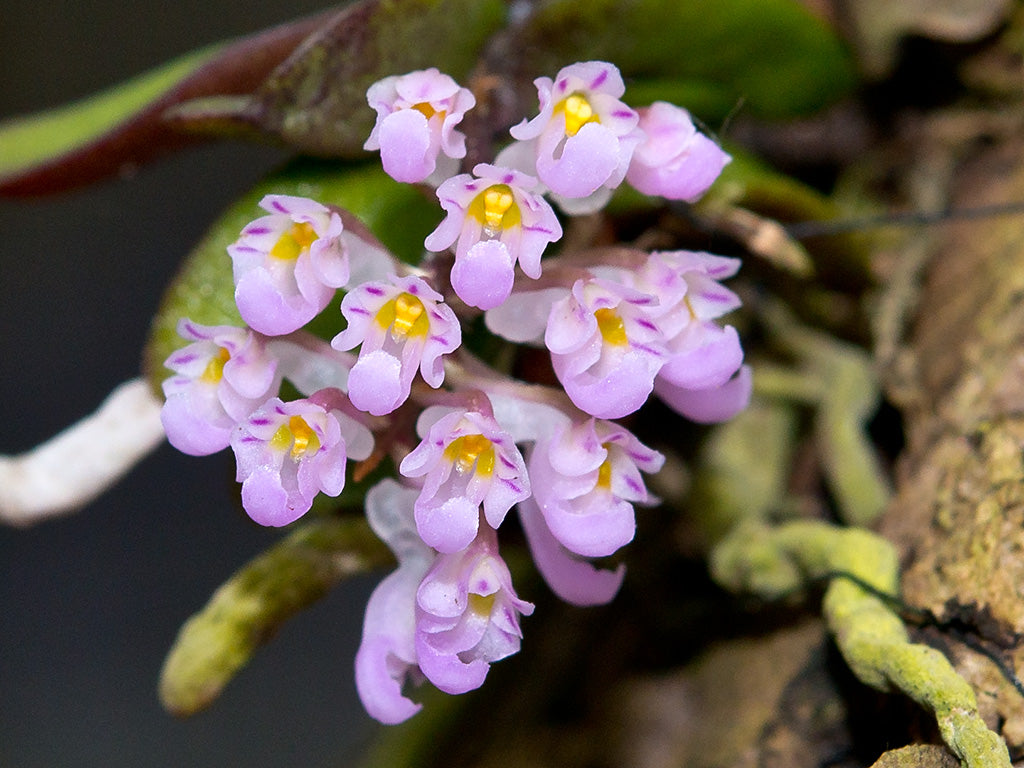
85 141
29 141
316 100
246 610
204 290
775 55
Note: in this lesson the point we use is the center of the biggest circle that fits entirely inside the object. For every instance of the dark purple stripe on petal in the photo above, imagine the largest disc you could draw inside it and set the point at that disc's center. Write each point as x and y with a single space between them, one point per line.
649 350
278 206
256 230
599 80
374 290
717 298
637 457
634 485
642 301
259 421
644 323
623 114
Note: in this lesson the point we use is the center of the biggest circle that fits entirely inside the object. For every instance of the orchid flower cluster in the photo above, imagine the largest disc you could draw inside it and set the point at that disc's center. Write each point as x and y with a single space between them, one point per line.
617 329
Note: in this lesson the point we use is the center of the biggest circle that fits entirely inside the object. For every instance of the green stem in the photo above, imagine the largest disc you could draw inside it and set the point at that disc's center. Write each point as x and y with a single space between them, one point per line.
247 609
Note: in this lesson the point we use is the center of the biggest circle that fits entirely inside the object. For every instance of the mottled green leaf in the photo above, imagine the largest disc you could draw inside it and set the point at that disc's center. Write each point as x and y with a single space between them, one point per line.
204 290
775 55
85 141
246 610
316 100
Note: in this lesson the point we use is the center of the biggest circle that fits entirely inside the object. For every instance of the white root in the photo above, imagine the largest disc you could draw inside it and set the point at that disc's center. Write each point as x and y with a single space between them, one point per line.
75 466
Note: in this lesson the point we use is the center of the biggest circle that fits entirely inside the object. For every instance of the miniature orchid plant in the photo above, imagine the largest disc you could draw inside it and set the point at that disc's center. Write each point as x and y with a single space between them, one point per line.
470 443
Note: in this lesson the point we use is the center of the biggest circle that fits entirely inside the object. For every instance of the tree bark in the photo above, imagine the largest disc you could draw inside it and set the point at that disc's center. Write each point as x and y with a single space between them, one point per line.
958 514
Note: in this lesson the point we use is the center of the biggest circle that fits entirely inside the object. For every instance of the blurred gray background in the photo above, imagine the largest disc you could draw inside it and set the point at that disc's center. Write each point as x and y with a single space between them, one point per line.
90 604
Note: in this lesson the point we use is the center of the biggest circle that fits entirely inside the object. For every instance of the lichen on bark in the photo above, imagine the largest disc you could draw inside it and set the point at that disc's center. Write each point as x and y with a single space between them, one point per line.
958 517
862 572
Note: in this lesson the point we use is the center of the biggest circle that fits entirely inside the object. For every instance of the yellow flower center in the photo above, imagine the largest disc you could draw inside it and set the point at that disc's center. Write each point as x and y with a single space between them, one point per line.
294 242
468 450
496 208
611 326
428 111
604 472
404 315
482 605
214 370
578 113
296 435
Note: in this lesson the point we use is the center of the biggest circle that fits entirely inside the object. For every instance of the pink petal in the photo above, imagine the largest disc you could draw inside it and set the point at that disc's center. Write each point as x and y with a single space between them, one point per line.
375 383
587 161
407 150
449 526
484 277
708 406
710 364
575 581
